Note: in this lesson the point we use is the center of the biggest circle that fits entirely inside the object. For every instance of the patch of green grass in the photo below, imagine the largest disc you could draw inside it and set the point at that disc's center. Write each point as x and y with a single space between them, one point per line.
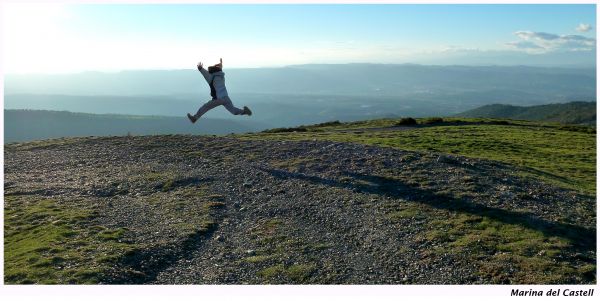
115 234
215 197
409 212
545 151
47 242
298 273
168 184
200 224
509 268
195 154
321 246
267 228
153 176
578 128
507 252
276 250
504 249
307 128
272 271
295 163
286 130
258 258
213 204
205 207
42 143
432 120
165 181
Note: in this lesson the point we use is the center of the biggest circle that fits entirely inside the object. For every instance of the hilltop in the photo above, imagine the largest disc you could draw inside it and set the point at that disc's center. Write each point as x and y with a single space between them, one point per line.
291 207
569 113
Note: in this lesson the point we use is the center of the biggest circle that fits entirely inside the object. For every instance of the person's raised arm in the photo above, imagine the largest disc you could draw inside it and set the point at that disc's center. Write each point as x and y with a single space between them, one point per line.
220 64
204 72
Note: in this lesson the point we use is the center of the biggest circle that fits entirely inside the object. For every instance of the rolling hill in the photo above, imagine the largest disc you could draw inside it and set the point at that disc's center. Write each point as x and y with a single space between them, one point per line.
568 113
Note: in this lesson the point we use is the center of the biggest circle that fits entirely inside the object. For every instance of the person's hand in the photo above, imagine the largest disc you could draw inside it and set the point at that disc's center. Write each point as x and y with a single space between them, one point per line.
199 65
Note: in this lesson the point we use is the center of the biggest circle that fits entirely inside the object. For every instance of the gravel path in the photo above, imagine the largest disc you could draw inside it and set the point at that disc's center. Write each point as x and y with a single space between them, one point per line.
287 212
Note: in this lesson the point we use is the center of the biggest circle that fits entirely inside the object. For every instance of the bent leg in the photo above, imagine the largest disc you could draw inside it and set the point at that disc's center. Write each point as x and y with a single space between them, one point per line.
230 107
211 104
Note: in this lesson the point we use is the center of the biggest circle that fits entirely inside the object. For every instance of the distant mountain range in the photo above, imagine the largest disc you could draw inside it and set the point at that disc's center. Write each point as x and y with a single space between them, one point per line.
408 81
568 113
27 125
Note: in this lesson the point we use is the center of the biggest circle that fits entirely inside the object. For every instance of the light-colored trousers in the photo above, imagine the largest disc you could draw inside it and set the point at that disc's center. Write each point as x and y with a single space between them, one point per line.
211 104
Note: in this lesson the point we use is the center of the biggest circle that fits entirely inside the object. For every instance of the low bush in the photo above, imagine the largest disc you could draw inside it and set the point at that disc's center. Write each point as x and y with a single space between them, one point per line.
432 120
406 121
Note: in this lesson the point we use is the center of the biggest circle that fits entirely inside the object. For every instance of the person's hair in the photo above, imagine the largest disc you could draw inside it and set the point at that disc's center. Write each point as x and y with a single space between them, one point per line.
213 69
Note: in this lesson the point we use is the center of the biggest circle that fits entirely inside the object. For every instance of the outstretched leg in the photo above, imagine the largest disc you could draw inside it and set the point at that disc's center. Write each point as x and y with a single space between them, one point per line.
211 104
230 107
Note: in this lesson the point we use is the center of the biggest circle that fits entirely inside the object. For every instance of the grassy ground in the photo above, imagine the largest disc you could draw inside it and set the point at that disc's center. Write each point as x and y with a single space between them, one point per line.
52 241
502 252
49 242
274 249
561 155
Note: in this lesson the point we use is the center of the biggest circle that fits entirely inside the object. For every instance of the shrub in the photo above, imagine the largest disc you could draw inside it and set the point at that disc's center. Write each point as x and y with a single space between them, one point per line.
329 123
578 128
285 130
432 120
406 121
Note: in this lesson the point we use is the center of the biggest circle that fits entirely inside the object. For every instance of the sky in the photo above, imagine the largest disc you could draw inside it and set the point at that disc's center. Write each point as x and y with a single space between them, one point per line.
65 38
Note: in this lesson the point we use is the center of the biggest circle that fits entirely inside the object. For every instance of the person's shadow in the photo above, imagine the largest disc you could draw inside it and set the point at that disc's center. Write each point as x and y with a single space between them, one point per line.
581 238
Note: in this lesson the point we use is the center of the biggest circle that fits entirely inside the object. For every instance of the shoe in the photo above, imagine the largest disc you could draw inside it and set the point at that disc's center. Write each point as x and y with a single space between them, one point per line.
192 118
247 111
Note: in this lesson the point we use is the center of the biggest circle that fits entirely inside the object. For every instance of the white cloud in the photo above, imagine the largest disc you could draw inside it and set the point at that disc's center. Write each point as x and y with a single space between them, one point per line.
525 45
454 48
543 42
530 35
584 27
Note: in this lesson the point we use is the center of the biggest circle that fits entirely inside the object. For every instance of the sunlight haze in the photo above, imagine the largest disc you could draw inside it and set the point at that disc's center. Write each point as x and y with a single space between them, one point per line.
64 38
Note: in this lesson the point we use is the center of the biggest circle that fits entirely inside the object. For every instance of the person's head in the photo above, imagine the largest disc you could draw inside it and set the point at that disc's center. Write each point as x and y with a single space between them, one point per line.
213 69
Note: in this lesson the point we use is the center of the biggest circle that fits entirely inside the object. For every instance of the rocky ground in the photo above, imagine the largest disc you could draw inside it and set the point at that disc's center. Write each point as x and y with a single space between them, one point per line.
301 212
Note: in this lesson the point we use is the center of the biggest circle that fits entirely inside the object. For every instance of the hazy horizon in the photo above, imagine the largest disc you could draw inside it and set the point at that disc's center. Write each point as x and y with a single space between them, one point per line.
305 94
549 66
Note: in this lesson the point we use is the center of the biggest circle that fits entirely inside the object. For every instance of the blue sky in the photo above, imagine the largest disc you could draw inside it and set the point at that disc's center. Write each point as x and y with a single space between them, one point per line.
117 36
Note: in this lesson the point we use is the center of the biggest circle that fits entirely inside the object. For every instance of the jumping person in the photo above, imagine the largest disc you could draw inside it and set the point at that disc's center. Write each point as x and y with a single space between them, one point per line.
216 80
